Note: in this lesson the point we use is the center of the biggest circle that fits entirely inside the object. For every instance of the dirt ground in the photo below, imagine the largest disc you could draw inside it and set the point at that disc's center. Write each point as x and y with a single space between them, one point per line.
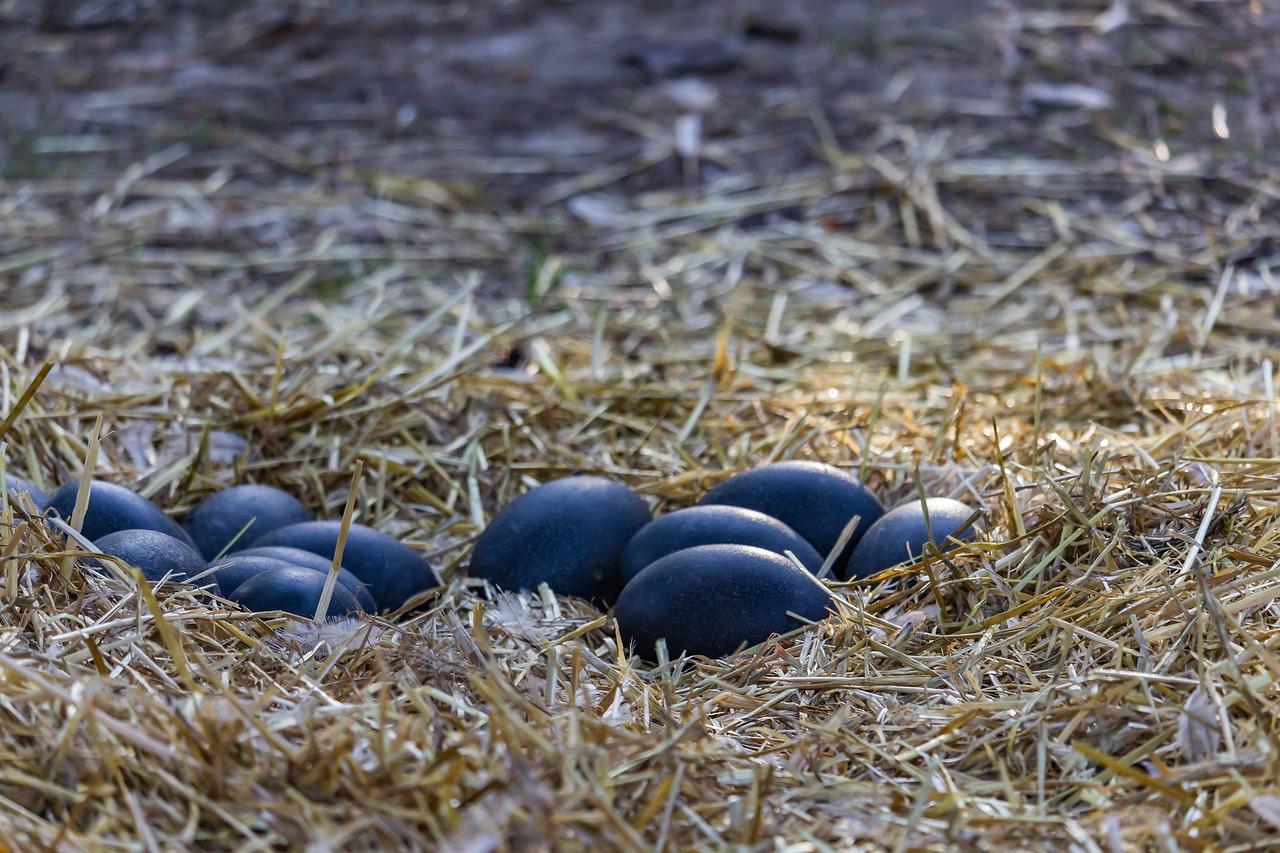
557 110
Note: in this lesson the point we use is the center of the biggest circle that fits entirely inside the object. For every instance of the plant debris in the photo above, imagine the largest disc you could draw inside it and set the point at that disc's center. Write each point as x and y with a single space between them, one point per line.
1065 317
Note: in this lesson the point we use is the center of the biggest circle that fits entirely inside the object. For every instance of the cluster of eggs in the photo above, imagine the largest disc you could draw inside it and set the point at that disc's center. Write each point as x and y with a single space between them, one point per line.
741 565
253 544
736 568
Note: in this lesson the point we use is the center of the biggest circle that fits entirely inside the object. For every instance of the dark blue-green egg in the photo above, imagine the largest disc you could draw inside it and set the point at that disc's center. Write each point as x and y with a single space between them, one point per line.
393 572
568 534
215 521
712 599
815 500
293 589
19 485
901 534
231 572
713 525
308 560
155 554
113 508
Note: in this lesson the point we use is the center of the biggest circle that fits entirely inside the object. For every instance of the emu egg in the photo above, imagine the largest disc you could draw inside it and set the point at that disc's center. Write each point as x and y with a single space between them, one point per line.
231 572
813 499
901 534
293 589
234 571
568 533
713 525
19 485
711 599
307 560
216 520
391 570
155 554
112 508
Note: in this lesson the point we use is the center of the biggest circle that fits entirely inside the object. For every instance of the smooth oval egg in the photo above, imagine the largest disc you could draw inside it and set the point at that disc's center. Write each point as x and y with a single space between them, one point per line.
568 534
113 508
393 572
308 560
21 486
231 572
713 599
901 534
815 500
214 522
155 554
293 589
714 524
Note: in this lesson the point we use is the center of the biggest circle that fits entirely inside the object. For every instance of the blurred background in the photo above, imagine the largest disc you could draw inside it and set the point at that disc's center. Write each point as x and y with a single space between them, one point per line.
568 111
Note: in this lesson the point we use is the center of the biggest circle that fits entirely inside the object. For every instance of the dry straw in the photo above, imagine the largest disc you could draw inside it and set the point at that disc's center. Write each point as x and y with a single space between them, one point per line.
1081 349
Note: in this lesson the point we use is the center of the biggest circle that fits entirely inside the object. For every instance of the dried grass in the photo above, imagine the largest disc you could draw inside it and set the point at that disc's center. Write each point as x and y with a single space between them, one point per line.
1081 349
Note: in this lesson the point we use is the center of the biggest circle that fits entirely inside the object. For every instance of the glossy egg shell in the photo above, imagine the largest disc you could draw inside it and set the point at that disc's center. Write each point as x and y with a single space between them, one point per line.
393 572
715 524
712 599
901 534
813 499
113 508
21 485
155 554
215 521
233 571
298 557
293 589
568 533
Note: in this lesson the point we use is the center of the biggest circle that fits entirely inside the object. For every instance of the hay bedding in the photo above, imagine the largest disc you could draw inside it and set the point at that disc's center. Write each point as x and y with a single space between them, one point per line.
1097 674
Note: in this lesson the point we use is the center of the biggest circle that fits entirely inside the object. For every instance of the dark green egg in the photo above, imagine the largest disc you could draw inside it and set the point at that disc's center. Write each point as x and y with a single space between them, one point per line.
901 534
231 572
215 521
113 508
308 560
393 572
568 533
293 589
19 485
712 599
155 554
713 525
815 500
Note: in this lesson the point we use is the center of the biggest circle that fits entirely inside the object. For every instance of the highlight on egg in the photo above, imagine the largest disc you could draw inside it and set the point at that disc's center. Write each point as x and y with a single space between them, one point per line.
815 500
713 599
233 572
393 572
308 560
237 517
713 524
569 534
112 508
155 554
293 589
902 534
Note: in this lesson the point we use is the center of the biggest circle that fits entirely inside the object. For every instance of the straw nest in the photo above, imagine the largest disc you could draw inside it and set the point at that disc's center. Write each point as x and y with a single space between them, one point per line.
1092 368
